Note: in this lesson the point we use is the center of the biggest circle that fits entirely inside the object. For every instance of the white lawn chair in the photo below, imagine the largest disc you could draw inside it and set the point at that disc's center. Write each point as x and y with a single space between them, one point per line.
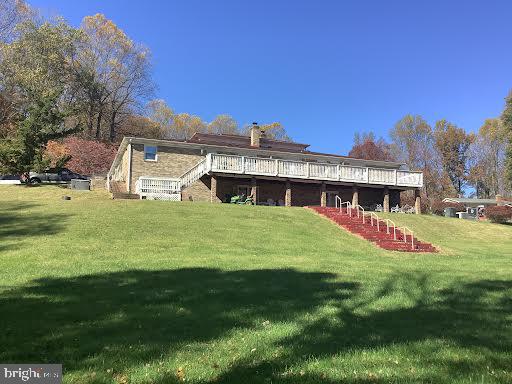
395 209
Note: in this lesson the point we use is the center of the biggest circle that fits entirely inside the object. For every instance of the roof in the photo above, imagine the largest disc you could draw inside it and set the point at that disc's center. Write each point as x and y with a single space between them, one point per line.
240 141
463 200
273 148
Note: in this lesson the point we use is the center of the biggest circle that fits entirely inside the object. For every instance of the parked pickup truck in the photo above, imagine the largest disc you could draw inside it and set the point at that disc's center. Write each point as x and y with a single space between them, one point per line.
62 175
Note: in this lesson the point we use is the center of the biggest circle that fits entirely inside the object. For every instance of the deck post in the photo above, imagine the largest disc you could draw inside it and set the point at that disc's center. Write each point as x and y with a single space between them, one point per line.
385 203
355 195
288 194
417 202
254 190
323 195
213 189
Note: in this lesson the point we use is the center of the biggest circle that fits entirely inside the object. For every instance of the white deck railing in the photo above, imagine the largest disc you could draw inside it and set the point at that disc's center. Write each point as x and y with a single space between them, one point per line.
145 185
193 174
310 170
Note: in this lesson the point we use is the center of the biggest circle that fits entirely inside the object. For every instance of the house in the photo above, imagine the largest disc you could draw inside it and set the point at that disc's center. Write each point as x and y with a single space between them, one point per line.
477 203
210 167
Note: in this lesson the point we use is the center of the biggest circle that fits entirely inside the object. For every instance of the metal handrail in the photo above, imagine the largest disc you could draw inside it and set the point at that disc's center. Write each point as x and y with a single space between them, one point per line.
404 231
394 228
341 204
372 215
336 201
359 208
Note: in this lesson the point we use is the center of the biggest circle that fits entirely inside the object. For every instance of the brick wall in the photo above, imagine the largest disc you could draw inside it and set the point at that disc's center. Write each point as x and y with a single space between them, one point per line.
171 162
198 190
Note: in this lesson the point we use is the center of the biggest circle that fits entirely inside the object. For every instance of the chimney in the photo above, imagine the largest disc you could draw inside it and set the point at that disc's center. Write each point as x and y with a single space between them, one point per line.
499 200
255 135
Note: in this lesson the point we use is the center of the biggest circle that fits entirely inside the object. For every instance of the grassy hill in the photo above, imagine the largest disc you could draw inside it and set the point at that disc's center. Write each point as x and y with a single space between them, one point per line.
131 291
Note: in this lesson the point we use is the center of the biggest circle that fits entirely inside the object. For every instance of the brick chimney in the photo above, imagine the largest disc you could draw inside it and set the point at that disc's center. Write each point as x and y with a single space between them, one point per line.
255 135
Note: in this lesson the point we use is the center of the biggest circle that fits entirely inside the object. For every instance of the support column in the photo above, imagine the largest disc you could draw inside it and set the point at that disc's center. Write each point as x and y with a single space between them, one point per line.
355 195
323 195
213 189
288 194
385 204
417 201
254 190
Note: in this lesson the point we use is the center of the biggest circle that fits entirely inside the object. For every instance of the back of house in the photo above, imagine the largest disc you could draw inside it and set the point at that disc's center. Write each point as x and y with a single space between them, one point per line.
211 167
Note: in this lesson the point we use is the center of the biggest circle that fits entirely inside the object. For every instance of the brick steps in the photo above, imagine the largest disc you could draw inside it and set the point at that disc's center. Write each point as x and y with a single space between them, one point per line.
380 237
118 191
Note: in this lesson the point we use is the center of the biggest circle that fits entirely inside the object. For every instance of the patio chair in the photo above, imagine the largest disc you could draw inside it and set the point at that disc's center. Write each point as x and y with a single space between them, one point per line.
395 209
378 208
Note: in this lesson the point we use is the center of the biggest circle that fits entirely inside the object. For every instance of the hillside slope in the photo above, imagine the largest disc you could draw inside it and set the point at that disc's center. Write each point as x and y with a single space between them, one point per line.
137 289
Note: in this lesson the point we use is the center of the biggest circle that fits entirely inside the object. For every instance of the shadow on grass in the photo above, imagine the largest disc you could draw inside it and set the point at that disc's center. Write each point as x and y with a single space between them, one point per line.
127 319
15 224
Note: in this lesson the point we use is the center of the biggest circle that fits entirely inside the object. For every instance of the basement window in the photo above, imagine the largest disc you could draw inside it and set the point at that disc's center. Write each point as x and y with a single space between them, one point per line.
150 153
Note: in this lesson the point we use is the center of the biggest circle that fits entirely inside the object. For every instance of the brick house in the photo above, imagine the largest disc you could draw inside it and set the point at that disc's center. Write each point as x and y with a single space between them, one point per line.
210 167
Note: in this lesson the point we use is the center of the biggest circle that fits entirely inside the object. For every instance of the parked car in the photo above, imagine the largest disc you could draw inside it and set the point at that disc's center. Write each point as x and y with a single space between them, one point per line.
10 179
52 175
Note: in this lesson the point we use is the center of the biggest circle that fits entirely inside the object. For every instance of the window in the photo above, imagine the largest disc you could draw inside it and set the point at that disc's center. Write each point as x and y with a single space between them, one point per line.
244 190
150 153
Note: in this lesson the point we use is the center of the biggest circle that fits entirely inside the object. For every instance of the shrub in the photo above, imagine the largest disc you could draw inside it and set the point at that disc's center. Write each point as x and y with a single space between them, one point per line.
437 207
498 214
87 157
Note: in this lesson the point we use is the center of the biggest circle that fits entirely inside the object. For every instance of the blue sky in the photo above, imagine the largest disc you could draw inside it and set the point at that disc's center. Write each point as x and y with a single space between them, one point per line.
325 69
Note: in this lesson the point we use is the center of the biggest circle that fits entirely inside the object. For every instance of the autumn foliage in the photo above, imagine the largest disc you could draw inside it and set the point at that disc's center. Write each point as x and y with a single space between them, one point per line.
88 157
370 148
498 214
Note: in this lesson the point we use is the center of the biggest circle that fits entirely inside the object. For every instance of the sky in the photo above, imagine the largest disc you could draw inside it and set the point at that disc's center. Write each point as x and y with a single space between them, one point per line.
324 69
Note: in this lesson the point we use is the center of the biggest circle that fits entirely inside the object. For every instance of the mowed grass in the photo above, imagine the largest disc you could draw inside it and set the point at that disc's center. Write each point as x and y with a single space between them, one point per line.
133 291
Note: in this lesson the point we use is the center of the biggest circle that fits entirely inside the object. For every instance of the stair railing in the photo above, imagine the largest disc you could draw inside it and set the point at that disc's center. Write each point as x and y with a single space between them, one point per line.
359 209
394 228
340 204
404 231
193 173
337 202
372 216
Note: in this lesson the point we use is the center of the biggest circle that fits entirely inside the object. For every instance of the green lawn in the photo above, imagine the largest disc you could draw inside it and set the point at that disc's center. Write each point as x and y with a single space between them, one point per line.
131 291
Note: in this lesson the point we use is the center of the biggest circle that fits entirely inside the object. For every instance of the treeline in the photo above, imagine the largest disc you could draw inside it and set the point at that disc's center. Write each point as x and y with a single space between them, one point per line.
92 82
452 160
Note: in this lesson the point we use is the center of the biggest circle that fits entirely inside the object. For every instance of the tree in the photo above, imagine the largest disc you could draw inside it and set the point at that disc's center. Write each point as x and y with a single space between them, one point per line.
43 122
185 125
413 143
274 131
452 144
368 148
506 118
162 115
224 124
487 158
12 13
116 78
139 126
37 69
41 62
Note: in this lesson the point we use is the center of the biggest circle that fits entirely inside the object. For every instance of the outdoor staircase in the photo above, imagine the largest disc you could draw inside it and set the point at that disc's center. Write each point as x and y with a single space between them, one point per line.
193 174
118 191
374 229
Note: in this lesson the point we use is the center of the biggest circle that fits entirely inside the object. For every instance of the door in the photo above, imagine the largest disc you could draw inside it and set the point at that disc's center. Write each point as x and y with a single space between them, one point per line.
331 198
